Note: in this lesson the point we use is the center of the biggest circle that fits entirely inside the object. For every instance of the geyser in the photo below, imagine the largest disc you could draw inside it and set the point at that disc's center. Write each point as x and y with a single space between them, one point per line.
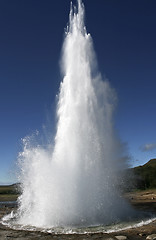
74 182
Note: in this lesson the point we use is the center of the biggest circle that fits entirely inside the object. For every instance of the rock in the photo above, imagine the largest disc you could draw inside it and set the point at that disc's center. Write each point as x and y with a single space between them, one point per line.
110 238
151 237
142 234
121 237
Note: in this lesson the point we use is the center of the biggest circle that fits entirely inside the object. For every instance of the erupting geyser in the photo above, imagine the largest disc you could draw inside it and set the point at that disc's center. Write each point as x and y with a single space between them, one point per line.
75 181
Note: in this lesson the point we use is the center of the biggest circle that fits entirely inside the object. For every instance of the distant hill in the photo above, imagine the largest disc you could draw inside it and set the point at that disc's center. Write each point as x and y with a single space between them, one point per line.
9 189
145 176
151 163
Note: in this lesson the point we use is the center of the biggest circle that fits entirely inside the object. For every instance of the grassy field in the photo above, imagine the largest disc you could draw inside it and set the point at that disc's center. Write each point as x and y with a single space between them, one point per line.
8 193
145 176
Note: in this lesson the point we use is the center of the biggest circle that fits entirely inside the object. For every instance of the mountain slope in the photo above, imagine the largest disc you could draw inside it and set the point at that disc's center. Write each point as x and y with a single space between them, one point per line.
145 176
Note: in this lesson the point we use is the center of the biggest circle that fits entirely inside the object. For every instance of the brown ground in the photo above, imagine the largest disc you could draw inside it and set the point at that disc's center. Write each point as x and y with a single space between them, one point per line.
144 200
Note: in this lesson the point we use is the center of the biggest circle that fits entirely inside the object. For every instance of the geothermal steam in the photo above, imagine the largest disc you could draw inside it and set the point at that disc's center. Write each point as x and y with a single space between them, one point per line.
74 182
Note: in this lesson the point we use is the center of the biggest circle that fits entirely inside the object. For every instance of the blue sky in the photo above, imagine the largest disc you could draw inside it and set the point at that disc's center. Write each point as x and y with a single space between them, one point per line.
32 33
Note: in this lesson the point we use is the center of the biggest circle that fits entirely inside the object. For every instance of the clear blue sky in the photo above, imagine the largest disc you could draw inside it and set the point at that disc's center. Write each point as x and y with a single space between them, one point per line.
31 36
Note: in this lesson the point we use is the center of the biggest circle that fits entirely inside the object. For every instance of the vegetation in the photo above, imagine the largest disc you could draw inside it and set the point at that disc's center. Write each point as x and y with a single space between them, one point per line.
145 176
9 193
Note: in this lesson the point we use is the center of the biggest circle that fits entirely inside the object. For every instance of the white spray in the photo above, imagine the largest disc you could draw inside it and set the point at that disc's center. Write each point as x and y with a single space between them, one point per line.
75 181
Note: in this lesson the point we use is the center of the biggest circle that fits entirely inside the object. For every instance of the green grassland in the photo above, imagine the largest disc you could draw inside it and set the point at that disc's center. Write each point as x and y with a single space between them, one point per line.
9 193
145 176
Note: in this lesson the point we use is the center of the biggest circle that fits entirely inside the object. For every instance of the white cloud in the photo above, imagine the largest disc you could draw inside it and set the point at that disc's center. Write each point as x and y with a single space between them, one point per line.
148 147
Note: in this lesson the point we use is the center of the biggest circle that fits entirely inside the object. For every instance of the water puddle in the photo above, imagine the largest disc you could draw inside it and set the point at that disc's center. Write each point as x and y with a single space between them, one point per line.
8 204
10 221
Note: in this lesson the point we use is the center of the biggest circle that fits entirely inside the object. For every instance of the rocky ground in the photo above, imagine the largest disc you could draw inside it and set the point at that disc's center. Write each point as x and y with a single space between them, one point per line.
145 200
